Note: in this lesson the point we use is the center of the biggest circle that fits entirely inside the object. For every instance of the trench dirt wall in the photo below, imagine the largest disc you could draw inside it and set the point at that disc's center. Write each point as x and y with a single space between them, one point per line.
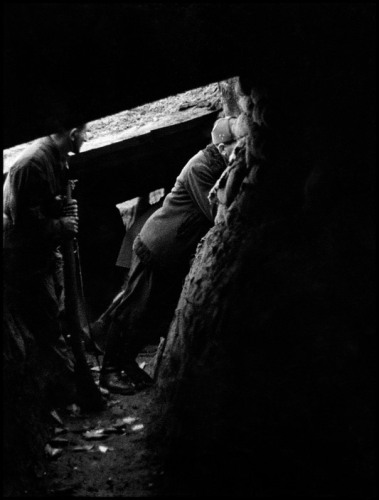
267 382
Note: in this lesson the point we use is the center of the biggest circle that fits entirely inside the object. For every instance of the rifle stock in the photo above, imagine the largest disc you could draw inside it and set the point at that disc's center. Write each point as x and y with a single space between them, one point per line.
88 392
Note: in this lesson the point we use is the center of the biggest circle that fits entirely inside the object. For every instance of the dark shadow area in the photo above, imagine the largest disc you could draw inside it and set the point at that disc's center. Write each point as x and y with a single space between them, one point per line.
267 385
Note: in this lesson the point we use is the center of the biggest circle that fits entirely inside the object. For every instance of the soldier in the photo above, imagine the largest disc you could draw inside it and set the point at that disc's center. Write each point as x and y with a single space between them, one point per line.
36 222
161 257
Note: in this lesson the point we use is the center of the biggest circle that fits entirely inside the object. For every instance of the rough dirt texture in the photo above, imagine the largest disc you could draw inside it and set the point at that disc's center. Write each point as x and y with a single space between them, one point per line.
268 373
114 461
137 121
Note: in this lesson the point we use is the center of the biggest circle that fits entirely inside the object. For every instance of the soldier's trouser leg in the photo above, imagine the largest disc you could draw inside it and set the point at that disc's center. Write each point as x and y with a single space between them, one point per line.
40 308
132 304
143 314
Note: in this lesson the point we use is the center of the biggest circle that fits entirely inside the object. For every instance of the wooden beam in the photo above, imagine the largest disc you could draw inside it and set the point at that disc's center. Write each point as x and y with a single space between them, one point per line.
129 168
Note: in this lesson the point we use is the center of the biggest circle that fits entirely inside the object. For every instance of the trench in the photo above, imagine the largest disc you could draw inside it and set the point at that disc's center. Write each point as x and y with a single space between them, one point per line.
266 386
48 454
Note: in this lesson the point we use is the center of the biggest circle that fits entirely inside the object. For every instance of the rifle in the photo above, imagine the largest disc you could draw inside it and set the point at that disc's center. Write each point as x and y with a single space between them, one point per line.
88 392
86 330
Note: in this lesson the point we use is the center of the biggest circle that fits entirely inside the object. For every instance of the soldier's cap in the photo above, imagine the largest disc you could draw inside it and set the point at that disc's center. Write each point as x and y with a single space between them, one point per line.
222 130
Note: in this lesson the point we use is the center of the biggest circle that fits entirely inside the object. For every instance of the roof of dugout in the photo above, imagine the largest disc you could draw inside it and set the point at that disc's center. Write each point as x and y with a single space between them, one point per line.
86 61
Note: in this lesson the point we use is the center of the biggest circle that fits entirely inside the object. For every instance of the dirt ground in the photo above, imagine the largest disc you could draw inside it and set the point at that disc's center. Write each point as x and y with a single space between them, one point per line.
103 454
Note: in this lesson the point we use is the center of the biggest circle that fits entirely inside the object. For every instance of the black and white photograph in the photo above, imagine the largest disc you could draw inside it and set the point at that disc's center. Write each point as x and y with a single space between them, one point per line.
189 250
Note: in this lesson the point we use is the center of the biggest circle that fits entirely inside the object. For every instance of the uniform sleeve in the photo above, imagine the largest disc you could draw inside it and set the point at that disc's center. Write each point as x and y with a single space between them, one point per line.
198 181
32 203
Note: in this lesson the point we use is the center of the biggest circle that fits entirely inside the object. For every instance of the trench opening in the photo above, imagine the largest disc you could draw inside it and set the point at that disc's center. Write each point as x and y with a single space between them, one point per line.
49 446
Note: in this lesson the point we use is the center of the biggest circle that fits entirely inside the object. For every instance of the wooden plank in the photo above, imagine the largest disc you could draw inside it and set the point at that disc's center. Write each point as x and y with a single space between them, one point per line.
142 145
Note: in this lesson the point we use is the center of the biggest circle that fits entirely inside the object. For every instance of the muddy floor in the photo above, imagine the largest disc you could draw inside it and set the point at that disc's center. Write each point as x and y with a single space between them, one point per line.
103 454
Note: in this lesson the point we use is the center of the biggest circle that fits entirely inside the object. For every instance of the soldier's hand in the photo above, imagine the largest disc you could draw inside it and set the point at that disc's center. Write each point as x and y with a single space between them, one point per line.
70 226
71 209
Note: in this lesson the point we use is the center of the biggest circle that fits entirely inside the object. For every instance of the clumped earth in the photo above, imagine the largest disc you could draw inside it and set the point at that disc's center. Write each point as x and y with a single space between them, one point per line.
107 453
140 120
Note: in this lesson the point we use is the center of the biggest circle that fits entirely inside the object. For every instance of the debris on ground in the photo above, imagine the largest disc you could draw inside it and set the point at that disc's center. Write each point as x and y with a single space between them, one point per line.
58 442
95 435
59 430
104 449
52 452
87 447
56 418
137 427
121 464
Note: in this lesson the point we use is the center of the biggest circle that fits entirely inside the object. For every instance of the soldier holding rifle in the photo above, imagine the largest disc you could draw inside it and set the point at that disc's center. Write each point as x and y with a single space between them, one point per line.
38 220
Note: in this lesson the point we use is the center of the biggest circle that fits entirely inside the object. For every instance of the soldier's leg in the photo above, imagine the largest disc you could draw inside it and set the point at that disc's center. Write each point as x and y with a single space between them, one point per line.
131 305
40 310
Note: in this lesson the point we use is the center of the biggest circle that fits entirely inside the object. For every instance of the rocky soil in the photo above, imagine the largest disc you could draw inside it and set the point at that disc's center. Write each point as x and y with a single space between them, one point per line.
140 120
102 454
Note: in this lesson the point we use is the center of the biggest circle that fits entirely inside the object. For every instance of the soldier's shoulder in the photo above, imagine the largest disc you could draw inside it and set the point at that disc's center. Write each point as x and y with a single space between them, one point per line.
34 154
